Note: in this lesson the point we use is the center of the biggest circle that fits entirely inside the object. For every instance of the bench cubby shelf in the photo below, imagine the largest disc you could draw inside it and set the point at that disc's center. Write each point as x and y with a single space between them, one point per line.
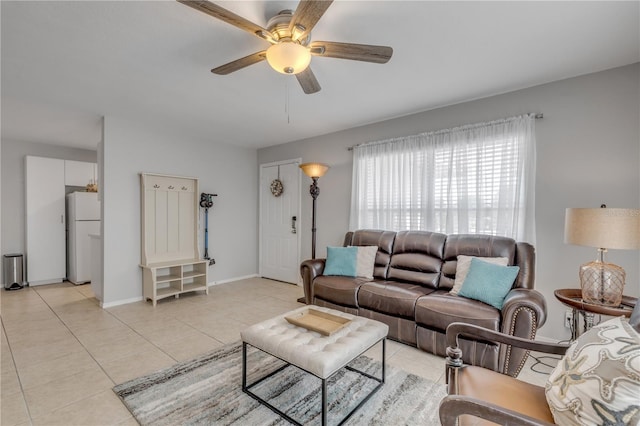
173 278
169 249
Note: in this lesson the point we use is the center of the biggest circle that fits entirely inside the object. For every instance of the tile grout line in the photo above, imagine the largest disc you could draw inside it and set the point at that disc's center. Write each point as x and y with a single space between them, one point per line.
116 318
81 344
15 368
164 315
64 324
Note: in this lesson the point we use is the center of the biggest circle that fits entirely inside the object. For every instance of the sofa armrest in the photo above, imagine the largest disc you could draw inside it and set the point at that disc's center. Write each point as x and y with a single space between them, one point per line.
518 298
523 312
309 270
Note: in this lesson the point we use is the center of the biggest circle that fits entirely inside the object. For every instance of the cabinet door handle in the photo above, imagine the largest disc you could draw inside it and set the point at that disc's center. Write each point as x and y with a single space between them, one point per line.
293 224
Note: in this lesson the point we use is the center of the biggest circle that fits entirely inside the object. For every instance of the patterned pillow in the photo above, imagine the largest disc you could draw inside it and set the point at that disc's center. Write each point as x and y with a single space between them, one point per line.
462 268
597 382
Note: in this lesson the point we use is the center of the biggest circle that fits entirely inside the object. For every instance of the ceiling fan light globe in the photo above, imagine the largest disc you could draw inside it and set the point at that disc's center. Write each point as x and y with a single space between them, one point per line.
288 57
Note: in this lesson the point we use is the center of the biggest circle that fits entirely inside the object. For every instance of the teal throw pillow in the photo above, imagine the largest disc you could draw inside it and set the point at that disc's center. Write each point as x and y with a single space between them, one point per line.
488 283
341 261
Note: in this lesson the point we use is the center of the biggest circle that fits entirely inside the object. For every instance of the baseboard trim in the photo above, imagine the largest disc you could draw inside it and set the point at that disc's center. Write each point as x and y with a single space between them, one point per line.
211 284
120 302
45 282
230 280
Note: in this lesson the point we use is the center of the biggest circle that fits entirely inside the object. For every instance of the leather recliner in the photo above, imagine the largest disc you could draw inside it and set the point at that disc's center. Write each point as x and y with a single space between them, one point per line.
413 274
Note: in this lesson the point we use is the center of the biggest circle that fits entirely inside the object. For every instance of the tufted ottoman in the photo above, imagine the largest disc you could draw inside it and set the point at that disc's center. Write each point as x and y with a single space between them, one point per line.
320 355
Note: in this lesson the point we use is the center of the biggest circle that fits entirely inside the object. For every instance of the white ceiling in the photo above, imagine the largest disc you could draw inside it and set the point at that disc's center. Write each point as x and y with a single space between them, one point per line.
65 64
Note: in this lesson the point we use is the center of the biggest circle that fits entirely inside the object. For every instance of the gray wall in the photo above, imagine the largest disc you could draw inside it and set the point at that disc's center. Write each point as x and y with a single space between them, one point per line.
230 172
13 203
588 153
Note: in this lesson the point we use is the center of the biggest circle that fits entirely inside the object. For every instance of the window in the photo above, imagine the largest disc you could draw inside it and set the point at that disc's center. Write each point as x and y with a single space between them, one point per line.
472 179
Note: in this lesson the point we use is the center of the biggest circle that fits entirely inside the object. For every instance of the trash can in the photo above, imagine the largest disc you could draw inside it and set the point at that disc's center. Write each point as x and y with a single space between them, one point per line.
12 267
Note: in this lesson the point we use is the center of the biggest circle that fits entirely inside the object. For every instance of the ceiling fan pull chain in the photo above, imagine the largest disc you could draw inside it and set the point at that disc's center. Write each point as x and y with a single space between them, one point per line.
286 100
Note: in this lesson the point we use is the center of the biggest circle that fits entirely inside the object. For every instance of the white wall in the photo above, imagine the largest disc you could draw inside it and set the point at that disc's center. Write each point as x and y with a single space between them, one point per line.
230 172
13 203
588 153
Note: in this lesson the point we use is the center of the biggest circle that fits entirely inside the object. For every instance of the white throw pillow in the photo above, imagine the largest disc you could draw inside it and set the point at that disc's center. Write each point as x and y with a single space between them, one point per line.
597 382
365 261
462 269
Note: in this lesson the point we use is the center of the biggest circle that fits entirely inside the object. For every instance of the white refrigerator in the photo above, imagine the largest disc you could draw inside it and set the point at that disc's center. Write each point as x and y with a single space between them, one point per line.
83 216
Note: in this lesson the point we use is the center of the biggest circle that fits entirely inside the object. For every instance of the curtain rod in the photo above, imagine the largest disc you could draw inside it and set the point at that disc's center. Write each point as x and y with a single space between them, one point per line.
537 116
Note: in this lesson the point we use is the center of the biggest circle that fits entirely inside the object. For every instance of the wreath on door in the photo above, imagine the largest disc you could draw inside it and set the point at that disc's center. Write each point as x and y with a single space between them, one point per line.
277 188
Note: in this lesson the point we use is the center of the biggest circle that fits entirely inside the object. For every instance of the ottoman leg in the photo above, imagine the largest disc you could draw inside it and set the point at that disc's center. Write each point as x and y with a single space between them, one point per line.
384 352
244 366
324 402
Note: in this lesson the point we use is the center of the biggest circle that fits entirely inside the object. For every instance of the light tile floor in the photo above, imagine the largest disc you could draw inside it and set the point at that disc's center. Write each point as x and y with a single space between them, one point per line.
61 353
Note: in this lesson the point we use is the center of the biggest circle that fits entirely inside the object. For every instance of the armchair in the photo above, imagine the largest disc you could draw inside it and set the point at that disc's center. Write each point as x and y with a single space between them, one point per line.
479 396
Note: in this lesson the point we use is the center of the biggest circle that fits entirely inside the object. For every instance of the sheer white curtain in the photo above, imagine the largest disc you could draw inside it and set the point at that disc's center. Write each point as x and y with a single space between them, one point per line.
472 179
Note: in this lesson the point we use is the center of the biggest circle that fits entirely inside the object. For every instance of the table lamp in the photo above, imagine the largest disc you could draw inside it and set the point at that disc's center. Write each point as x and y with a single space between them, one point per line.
602 283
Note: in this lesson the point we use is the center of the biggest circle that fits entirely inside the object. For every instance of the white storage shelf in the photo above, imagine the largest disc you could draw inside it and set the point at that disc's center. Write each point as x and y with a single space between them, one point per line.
173 278
169 249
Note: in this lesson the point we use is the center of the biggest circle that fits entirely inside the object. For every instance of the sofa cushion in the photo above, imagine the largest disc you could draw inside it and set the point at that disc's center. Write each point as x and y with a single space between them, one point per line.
488 283
464 263
384 240
439 309
390 297
473 245
339 290
341 261
417 258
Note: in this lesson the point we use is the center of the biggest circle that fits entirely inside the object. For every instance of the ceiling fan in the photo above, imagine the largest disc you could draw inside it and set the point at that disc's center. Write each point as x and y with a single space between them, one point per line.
290 36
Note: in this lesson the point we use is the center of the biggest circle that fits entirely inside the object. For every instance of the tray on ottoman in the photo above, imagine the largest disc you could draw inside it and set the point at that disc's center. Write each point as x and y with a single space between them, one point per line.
319 321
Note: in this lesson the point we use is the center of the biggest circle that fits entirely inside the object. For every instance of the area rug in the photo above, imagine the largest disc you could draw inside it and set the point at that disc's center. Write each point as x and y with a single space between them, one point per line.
207 391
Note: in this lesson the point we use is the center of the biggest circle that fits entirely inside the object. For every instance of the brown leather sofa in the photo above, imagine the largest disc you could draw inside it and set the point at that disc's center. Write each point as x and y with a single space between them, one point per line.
413 273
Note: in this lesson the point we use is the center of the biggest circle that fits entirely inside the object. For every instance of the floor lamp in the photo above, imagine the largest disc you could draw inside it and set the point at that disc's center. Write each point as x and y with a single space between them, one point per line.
315 171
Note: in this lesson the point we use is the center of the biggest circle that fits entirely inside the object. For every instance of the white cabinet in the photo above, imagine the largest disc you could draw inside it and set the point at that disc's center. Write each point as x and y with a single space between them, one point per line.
45 219
80 173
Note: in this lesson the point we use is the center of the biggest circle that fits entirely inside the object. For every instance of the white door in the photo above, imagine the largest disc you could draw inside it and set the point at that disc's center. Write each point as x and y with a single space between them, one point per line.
280 222
45 224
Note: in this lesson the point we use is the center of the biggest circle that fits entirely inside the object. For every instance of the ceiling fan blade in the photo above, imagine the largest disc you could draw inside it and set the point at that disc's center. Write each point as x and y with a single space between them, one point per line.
355 52
229 17
308 81
238 64
306 16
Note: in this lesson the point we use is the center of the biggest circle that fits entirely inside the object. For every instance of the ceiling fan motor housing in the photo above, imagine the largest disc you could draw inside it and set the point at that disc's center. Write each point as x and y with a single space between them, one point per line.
278 26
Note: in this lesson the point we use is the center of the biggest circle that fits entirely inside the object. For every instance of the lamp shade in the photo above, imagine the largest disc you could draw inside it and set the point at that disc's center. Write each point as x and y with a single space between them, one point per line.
288 57
316 170
603 228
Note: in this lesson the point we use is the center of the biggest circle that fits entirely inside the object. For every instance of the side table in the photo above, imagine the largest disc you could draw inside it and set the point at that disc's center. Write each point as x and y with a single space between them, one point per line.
572 297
